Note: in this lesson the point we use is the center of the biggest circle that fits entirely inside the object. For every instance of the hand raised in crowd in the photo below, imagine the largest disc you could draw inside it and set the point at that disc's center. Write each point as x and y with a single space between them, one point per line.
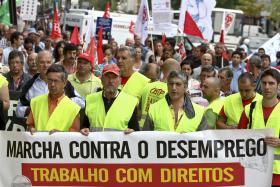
128 131
32 130
53 131
272 141
85 131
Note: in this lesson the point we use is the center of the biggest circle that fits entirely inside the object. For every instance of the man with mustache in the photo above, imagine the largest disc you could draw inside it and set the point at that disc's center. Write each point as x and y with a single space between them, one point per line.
110 109
69 61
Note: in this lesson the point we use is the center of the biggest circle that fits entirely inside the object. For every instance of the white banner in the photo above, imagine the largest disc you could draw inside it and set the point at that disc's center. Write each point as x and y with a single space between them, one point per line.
162 16
200 12
28 10
146 159
272 46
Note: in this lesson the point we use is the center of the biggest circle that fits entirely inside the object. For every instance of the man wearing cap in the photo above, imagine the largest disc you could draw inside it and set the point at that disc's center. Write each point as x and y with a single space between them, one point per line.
84 80
132 82
110 109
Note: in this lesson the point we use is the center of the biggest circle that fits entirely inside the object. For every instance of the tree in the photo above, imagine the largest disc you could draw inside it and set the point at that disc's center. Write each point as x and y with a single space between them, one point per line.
275 10
251 8
227 4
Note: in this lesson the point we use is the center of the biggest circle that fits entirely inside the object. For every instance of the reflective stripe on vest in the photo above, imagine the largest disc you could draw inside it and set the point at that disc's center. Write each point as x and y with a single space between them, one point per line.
118 115
135 84
233 107
152 93
272 122
58 120
162 118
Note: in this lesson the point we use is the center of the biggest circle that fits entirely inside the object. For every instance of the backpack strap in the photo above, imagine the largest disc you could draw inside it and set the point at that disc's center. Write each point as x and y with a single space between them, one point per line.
252 107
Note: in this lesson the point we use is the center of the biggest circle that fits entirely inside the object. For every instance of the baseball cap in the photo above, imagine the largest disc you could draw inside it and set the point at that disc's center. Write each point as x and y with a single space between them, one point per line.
86 57
32 31
111 68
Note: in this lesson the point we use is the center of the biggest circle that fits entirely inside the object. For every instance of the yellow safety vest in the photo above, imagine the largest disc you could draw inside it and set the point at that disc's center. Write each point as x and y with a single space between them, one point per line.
215 106
135 84
152 93
3 81
233 107
272 122
62 117
117 117
161 116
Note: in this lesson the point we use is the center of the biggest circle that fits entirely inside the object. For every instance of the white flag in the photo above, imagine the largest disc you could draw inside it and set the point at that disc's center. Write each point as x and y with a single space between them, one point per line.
200 12
228 20
90 33
141 26
272 46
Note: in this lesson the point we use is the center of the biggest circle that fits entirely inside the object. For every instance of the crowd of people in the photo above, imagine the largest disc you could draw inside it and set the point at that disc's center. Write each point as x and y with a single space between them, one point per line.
149 86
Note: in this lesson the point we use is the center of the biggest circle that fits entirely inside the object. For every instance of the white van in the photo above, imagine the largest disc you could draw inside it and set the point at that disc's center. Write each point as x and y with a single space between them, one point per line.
120 23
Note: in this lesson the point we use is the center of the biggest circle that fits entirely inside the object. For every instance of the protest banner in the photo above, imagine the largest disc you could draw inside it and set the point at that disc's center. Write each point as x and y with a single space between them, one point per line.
28 10
162 16
106 24
206 158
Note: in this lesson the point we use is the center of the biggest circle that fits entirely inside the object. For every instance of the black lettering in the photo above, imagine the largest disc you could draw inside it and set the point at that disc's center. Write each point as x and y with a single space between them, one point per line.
84 149
192 148
262 149
143 149
180 146
161 149
205 150
57 150
218 146
229 146
27 149
35 150
125 150
11 148
239 148
73 154
95 150
115 147
250 151
171 149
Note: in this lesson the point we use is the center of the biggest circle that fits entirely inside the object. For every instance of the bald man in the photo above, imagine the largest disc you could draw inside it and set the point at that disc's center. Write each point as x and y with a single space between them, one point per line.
211 88
152 71
169 65
156 90
206 59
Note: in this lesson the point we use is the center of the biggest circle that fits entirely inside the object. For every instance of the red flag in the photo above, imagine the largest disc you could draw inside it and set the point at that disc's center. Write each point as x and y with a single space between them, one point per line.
91 50
163 39
56 31
132 27
107 11
75 36
190 27
100 55
222 40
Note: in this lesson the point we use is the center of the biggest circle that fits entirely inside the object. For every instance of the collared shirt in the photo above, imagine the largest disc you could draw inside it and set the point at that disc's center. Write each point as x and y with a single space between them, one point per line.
180 115
236 73
87 87
52 104
40 87
16 85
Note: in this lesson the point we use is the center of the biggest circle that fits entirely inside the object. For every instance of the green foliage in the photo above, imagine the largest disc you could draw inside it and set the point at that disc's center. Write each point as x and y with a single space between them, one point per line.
275 10
251 7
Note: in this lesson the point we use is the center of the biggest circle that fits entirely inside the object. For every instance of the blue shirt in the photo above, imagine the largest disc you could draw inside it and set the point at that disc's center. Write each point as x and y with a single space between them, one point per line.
236 73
